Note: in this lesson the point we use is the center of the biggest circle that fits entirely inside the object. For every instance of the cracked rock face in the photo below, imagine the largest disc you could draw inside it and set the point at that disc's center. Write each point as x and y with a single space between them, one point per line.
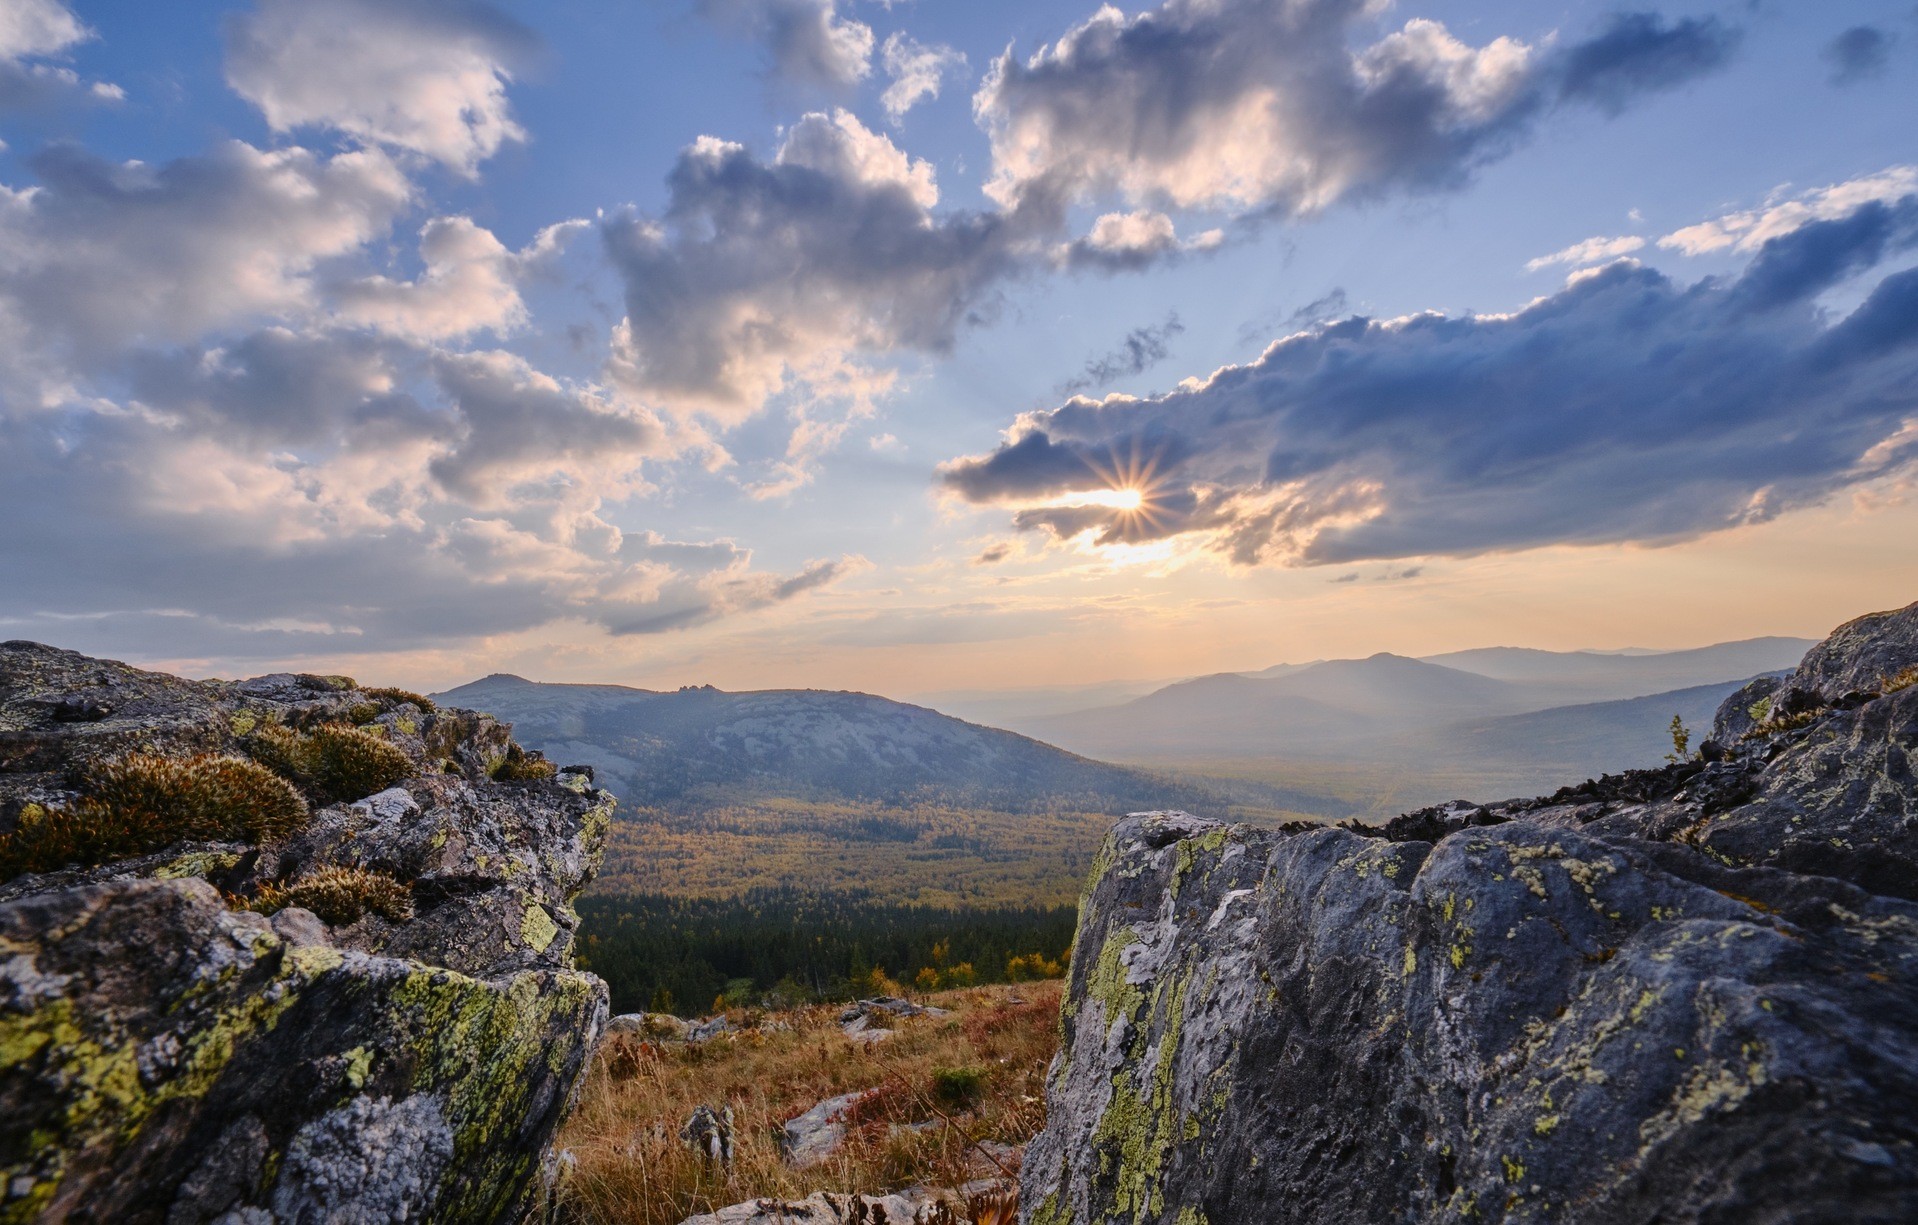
1688 994
168 1057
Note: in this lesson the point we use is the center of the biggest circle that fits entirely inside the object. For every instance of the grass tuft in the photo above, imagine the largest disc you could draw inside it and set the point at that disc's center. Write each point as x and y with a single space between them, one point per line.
145 803
340 896
1901 680
332 763
1781 723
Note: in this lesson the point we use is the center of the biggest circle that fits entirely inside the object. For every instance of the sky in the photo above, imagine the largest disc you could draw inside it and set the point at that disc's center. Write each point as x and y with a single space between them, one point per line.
915 346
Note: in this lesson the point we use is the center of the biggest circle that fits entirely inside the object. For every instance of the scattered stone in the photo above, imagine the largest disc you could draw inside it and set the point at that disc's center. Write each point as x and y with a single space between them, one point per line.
818 1134
870 1021
710 1133
910 1207
655 1025
710 1028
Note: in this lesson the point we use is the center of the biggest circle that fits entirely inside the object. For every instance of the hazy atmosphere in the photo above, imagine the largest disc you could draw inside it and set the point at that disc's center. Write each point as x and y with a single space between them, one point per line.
922 347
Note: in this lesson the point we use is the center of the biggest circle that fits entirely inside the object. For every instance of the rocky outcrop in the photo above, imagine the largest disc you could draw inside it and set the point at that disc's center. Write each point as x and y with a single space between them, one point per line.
172 1052
1686 994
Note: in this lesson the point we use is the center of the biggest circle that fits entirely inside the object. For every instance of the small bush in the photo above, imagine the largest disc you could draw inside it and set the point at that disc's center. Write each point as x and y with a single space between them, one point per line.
1900 680
340 896
145 803
958 1087
402 697
519 764
332 763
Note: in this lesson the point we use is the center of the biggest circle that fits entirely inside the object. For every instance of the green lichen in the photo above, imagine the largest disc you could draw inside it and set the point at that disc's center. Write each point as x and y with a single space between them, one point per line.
537 928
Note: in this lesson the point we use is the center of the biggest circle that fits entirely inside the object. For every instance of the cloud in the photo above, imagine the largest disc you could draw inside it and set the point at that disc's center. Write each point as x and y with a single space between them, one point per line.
762 274
807 41
32 31
1142 348
101 256
1265 108
1750 229
1591 251
1626 407
1128 242
1641 53
426 76
470 283
1859 54
917 70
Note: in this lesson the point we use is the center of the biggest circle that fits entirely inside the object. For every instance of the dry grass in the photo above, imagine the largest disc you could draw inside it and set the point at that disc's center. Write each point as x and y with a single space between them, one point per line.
634 1170
1900 681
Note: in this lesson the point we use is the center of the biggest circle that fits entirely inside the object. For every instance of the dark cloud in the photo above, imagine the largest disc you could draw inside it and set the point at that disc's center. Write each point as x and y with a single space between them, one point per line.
1859 54
1635 54
1258 107
1626 407
807 41
992 555
1142 348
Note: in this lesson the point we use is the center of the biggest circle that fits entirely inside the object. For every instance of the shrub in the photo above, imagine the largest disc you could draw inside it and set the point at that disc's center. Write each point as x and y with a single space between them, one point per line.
340 896
332 763
519 764
145 803
402 697
958 1087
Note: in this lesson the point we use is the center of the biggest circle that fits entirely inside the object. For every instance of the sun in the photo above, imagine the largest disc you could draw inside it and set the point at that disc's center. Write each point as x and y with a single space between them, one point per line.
1125 500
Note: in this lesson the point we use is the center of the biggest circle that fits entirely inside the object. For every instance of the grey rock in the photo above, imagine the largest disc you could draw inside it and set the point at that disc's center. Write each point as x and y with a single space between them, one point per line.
818 1134
370 1160
825 1208
269 1070
1684 994
655 1025
1860 654
710 1028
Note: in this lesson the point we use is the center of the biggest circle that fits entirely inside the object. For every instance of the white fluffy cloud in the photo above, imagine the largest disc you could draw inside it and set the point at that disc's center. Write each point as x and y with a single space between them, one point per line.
471 283
760 274
100 256
917 70
428 76
1750 229
1591 251
30 32
1263 105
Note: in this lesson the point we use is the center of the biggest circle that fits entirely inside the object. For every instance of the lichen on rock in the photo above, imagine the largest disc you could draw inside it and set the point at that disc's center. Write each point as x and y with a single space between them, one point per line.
1684 994
398 1040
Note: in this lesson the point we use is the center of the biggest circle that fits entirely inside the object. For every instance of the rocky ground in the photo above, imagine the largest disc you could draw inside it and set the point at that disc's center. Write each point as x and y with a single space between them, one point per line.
280 950
1684 994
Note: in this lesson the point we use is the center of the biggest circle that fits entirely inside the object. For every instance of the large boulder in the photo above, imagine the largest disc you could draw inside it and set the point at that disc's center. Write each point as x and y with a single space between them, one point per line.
170 1053
1684 994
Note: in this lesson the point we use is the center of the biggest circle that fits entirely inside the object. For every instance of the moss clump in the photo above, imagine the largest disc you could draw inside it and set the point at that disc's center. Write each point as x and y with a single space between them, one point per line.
332 763
402 697
520 764
145 803
340 896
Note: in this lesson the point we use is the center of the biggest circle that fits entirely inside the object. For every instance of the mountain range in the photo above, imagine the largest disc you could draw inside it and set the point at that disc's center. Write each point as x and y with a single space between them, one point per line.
1460 706
701 745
